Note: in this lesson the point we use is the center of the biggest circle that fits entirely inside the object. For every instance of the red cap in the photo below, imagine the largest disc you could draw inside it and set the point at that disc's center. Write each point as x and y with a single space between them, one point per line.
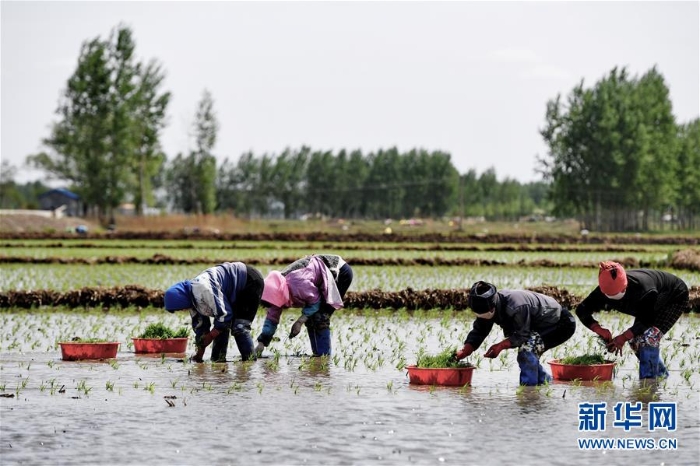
612 278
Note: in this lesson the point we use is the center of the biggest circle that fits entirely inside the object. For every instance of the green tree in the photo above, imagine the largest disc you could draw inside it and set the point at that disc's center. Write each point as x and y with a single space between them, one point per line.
193 178
109 116
206 130
10 196
80 139
687 175
658 135
611 151
150 105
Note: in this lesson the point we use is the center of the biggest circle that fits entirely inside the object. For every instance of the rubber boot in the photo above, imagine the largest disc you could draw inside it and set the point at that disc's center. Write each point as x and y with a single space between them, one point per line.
542 376
529 368
219 347
650 364
320 341
245 344
313 339
244 341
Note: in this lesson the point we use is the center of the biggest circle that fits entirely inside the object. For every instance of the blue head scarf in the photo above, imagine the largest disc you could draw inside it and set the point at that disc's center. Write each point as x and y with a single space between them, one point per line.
177 297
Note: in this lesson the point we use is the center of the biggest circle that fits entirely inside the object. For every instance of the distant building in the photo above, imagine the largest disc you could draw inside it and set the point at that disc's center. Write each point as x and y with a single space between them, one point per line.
55 198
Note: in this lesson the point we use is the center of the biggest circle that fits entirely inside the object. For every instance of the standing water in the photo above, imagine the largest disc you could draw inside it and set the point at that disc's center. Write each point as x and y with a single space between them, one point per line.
356 407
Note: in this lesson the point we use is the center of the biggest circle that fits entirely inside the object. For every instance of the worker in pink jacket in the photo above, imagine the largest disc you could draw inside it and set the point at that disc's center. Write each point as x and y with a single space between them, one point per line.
317 285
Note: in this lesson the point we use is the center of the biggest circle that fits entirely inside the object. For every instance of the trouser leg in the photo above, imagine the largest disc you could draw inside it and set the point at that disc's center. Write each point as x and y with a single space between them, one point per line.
531 371
244 341
529 368
319 330
646 348
219 347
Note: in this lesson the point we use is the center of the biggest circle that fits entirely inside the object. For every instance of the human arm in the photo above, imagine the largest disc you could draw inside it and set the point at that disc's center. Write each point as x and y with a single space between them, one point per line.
480 330
463 352
269 326
602 332
202 335
617 343
594 302
496 349
306 313
202 344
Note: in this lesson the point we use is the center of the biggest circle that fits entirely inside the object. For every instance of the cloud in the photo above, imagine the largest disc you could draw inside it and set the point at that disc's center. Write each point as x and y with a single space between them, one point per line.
532 65
545 71
515 55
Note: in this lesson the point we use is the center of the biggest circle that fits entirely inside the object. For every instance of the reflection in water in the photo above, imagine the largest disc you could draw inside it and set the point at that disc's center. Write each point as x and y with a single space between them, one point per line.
647 390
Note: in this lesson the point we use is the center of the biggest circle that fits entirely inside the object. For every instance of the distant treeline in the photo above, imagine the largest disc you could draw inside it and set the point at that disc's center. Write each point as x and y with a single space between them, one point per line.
382 184
617 159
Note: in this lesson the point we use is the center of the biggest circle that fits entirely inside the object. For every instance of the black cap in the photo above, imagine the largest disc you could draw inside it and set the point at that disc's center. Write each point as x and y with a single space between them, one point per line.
482 297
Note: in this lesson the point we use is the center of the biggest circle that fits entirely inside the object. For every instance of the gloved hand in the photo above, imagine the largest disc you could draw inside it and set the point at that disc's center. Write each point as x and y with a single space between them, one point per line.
296 327
259 348
466 350
198 356
209 337
617 343
496 349
602 332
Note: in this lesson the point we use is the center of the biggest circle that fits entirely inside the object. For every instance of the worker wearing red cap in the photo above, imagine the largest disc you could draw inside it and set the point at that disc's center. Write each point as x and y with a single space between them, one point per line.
655 298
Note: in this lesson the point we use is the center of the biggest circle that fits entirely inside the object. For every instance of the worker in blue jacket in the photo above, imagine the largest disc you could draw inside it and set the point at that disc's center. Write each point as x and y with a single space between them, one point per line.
229 294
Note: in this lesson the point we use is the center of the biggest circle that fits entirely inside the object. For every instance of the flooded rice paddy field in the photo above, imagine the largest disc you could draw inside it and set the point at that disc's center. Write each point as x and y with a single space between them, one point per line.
62 277
355 407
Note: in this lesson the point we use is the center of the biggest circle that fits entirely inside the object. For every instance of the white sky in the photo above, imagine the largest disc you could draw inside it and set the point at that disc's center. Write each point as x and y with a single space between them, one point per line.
469 78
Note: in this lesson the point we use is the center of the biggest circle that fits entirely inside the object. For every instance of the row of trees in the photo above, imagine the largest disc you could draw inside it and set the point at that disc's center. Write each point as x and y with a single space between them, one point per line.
380 184
617 158
106 145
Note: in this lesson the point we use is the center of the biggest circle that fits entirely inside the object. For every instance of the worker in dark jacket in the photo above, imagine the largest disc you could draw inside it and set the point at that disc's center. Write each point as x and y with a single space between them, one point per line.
531 322
656 299
229 293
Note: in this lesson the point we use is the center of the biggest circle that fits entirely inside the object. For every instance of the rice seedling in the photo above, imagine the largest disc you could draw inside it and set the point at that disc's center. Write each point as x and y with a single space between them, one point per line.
584 360
162 331
235 387
82 385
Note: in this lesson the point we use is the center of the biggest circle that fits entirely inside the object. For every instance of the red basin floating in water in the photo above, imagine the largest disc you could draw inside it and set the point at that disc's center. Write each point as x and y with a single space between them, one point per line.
160 345
448 376
75 350
581 372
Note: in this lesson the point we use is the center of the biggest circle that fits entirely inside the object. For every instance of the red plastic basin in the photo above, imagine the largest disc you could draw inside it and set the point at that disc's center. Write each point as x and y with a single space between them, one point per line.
581 372
160 345
74 350
452 377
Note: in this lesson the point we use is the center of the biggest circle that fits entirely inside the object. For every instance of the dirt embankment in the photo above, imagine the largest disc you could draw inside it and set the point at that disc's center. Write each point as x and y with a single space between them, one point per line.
138 296
27 224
